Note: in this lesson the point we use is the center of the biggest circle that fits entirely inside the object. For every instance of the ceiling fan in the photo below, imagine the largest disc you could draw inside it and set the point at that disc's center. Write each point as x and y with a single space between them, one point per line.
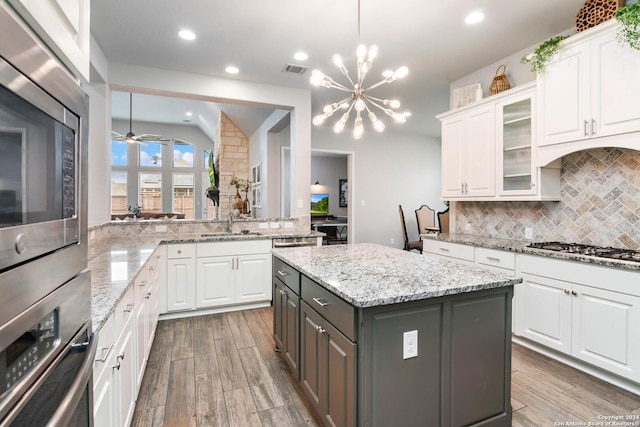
131 138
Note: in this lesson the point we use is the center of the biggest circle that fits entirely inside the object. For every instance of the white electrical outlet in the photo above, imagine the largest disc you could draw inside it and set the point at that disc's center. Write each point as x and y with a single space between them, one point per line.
274 225
409 344
161 228
467 228
288 225
300 203
392 240
528 233
263 225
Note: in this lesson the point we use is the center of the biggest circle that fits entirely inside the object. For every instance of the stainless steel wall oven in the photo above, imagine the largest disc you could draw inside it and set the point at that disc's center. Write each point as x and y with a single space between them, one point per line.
46 342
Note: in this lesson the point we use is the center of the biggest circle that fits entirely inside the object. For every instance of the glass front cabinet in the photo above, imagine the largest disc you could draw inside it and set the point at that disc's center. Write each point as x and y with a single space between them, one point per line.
515 136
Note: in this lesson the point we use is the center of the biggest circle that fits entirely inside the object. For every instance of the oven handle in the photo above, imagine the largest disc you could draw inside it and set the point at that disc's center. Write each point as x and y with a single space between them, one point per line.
68 405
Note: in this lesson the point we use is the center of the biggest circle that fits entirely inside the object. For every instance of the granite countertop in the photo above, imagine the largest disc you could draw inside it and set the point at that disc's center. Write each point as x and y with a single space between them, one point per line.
521 247
114 264
369 275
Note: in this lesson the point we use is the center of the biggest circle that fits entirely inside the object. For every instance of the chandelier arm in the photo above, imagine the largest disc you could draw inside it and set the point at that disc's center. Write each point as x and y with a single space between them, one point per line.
335 85
373 102
380 83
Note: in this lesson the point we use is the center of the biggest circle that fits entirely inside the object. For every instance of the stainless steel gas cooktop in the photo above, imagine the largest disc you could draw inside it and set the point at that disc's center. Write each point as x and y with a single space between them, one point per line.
589 250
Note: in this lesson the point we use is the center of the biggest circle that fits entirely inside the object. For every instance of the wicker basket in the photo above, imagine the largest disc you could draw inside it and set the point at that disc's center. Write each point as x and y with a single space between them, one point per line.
500 82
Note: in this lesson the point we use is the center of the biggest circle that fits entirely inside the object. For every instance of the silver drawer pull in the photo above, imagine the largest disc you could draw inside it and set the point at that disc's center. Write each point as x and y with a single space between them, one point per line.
143 283
105 353
444 249
128 308
148 295
283 273
492 258
321 301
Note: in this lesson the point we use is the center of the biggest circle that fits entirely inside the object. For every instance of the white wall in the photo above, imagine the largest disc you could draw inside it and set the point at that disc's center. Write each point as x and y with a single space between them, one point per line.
390 169
99 194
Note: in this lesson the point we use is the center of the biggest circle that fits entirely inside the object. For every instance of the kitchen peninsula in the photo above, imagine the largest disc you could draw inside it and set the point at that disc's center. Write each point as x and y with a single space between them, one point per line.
376 335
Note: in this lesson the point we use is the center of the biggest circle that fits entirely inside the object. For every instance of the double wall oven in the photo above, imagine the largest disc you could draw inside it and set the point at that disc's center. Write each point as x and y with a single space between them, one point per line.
46 342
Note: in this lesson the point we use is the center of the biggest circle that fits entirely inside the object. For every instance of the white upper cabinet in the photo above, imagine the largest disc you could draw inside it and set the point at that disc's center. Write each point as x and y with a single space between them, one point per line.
488 150
64 27
468 153
588 95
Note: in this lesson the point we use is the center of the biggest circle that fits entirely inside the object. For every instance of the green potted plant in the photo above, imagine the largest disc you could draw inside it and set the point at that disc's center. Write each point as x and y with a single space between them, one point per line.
212 191
541 56
629 30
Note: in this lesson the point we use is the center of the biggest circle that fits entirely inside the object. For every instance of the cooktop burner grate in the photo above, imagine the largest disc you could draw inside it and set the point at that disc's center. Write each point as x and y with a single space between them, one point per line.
589 250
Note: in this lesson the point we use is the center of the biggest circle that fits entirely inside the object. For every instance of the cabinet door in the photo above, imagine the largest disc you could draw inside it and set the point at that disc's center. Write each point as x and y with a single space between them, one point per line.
291 327
544 311
126 373
515 126
180 284
252 278
563 95
310 347
104 407
606 327
480 153
338 378
452 156
214 281
615 87
140 326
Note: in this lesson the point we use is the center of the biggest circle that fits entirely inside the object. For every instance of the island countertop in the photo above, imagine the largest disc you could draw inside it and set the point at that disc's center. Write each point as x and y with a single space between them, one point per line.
369 275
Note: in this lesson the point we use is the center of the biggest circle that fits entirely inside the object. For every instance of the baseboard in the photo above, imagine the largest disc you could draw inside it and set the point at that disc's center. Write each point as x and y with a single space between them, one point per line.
214 310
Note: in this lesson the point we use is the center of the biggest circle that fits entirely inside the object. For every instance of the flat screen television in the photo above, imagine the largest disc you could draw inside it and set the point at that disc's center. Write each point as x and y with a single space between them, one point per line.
319 204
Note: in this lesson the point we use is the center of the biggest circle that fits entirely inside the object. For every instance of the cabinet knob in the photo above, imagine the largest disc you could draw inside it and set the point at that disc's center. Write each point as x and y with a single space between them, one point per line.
320 329
148 295
128 308
179 251
574 293
566 291
283 292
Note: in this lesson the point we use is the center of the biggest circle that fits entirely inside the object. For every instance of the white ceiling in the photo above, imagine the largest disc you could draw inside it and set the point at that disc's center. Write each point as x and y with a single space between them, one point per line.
260 38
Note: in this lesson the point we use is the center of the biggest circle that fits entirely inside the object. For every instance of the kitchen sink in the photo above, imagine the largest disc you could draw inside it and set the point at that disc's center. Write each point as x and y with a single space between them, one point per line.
228 233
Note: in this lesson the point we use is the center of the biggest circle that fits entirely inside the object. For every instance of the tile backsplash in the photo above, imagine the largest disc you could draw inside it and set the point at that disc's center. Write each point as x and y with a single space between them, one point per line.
600 204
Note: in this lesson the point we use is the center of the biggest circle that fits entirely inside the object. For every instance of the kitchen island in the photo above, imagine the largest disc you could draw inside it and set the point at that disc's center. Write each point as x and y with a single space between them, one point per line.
378 336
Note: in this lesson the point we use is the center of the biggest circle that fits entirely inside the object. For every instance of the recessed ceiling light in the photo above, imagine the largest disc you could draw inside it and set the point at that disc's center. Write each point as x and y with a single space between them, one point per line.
301 56
232 70
187 34
474 17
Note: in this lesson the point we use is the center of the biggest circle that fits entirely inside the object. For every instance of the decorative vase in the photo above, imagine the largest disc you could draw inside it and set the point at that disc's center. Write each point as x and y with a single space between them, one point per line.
237 204
213 194
245 204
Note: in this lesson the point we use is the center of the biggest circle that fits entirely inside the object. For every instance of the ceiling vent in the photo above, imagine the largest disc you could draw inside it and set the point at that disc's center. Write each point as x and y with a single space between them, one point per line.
295 69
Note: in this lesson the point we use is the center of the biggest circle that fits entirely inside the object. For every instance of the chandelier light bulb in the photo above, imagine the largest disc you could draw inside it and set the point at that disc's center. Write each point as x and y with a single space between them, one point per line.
359 105
377 124
393 103
401 73
337 59
319 119
339 126
358 129
317 78
361 52
373 52
328 109
399 118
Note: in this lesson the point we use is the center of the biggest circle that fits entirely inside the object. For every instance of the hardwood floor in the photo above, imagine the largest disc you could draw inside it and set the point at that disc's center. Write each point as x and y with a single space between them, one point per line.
222 370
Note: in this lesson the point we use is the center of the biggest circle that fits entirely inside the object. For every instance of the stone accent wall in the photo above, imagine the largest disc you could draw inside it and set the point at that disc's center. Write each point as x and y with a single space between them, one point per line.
232 157
600 204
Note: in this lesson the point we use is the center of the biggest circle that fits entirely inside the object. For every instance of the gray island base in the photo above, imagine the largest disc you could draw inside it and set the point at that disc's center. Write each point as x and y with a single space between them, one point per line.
378 336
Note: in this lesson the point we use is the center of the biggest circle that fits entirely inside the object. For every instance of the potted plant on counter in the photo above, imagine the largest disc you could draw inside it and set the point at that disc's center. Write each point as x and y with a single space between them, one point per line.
543 53
629 30
212 191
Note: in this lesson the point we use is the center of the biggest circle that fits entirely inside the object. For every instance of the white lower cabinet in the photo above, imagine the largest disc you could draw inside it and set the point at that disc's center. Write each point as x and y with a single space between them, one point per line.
125 342
181 265
236 272
589 312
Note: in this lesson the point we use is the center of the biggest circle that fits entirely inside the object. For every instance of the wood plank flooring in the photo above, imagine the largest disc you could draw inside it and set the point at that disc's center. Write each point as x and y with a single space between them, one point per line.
222 370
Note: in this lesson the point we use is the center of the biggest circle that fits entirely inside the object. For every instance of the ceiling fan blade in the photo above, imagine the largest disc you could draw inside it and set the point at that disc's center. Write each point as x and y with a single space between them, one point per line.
117 136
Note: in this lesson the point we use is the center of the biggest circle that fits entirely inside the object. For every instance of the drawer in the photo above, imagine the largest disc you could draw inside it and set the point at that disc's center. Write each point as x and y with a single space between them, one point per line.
495 258
287 274
124 310
448 249
184 250
334 309
106 340
233 248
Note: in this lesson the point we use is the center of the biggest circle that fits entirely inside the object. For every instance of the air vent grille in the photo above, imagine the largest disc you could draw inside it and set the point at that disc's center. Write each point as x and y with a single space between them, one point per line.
295 69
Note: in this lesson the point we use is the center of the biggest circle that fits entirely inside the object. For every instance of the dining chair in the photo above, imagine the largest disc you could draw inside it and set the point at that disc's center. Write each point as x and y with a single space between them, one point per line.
426 219
443 221
408 245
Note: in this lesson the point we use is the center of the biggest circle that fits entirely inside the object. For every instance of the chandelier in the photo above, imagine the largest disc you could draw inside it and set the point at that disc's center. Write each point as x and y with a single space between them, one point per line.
359 98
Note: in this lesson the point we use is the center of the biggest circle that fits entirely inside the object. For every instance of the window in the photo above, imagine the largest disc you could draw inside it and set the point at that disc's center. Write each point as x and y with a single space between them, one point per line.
151 154
183 194
151 192
118 192
182 154
118 153
206 159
